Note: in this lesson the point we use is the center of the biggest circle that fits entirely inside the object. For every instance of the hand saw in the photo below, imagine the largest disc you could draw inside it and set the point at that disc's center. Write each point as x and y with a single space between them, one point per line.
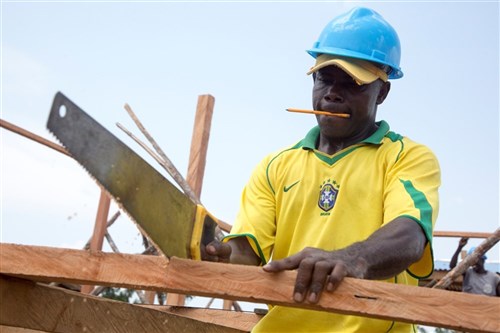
175 224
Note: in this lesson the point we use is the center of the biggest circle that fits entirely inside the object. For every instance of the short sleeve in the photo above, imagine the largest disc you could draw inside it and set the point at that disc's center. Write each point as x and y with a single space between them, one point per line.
257 215
412 191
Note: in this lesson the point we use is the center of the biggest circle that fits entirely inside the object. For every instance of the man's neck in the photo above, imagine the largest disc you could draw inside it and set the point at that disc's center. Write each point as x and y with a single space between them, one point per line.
331 146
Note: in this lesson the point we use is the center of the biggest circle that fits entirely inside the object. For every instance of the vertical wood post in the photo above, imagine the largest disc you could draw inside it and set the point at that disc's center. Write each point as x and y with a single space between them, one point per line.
100 226
197 159
199 143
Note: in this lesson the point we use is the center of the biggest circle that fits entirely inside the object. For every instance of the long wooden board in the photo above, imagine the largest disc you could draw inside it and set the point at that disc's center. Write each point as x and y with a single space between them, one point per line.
33 306
439 308
467 234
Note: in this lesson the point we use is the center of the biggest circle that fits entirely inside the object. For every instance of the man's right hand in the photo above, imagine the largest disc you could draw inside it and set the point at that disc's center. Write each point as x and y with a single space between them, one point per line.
217 251
236 250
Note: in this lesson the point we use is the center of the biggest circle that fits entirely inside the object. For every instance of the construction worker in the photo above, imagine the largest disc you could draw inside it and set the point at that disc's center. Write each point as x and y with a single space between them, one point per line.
476 279
352 198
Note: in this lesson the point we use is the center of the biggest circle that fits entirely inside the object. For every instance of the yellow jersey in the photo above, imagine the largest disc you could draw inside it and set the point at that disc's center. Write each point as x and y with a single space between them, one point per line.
300 197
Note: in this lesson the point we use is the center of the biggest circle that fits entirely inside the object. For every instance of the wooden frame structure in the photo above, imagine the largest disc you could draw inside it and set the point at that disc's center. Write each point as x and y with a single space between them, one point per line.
434 307
29 303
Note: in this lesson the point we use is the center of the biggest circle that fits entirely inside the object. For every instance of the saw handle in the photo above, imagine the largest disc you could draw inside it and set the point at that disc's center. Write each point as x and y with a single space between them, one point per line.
203 231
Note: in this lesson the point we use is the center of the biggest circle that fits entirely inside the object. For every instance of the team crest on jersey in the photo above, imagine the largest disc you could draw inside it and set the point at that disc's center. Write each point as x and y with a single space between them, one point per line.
328 195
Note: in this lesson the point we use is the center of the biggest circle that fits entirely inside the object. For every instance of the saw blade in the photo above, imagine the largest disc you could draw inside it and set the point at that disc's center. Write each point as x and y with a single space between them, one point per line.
159 208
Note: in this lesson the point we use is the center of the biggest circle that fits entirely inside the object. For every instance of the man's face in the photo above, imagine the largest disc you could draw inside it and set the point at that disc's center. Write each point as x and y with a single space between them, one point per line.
335 91
479 265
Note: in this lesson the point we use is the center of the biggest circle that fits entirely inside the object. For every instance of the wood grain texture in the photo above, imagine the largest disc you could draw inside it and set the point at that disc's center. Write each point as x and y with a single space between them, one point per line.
50 309
472 313
49 264
439 308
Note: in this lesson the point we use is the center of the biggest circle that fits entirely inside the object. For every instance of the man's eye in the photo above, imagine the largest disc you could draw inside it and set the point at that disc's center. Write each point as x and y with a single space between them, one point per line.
325 79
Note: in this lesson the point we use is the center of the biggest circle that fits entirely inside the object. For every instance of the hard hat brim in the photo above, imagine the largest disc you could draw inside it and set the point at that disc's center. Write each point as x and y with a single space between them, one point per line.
363 72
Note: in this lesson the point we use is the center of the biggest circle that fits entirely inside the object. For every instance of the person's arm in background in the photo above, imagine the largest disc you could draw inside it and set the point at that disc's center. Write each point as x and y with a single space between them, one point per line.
387 252
461 243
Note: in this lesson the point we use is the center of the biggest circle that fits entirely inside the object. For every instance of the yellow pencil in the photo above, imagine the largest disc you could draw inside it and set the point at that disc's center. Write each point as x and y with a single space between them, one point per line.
342 115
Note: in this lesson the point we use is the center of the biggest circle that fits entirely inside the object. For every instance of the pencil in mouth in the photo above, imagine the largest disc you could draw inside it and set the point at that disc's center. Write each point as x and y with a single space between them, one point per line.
325 113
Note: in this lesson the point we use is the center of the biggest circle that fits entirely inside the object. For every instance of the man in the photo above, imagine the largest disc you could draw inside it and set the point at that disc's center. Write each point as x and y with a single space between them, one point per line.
476 279
350 199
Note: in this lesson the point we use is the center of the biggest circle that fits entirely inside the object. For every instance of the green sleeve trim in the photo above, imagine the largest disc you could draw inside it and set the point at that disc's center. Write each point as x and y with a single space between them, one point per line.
429 240
422 204
253 243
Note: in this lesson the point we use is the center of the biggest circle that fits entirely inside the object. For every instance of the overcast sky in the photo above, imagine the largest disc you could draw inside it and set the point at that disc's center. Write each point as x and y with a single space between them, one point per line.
159 56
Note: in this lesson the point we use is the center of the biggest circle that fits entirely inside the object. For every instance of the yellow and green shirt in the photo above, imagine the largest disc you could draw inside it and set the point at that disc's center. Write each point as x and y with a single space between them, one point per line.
300 197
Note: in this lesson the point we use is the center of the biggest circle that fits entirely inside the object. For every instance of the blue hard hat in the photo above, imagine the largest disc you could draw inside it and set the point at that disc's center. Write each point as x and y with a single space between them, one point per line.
472 250
361 33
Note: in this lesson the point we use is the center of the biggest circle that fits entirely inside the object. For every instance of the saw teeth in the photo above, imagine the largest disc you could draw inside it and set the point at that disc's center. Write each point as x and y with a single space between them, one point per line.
115 199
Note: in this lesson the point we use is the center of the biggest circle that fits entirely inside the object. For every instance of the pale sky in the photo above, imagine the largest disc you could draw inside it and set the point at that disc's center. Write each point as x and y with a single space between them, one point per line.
159 56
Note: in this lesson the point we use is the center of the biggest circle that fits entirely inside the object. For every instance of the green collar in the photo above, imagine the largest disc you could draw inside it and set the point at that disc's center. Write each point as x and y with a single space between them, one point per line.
309 142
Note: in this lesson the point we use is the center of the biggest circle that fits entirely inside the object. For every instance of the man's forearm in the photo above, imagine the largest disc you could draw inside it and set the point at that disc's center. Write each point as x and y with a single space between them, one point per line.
242 253
390 250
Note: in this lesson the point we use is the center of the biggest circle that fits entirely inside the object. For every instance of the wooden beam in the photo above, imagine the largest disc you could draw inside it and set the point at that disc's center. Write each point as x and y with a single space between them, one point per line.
239 320
462 234
197 160
48 264
100 227
27 134
432 307
11 329
354 297
101 221
470 260
30 305
199 143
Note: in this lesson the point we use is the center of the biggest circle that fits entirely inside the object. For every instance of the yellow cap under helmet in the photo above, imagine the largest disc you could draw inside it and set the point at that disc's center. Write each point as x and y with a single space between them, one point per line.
362 71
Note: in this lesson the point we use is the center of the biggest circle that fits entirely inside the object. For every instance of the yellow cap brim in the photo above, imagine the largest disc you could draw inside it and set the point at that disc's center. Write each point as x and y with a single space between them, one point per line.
362 71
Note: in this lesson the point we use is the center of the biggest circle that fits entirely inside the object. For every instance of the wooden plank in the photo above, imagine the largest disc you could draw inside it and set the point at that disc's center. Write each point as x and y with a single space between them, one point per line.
27 134
100 227
48 264
432 307
199 143
473 313
462 234
11 329
197 160
239 320
40 307
101 221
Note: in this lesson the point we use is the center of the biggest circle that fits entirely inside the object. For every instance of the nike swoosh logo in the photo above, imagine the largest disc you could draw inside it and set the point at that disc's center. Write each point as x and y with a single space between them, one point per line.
286 189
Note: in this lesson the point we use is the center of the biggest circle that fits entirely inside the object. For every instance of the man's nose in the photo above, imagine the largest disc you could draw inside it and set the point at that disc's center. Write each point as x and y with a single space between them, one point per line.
334 93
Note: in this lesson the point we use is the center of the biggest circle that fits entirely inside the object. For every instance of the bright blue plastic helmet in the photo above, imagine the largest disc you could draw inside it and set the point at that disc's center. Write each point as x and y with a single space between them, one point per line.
363 34
472 250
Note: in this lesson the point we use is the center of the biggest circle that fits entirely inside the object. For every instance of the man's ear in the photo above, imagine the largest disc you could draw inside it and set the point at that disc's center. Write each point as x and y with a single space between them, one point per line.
384 91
